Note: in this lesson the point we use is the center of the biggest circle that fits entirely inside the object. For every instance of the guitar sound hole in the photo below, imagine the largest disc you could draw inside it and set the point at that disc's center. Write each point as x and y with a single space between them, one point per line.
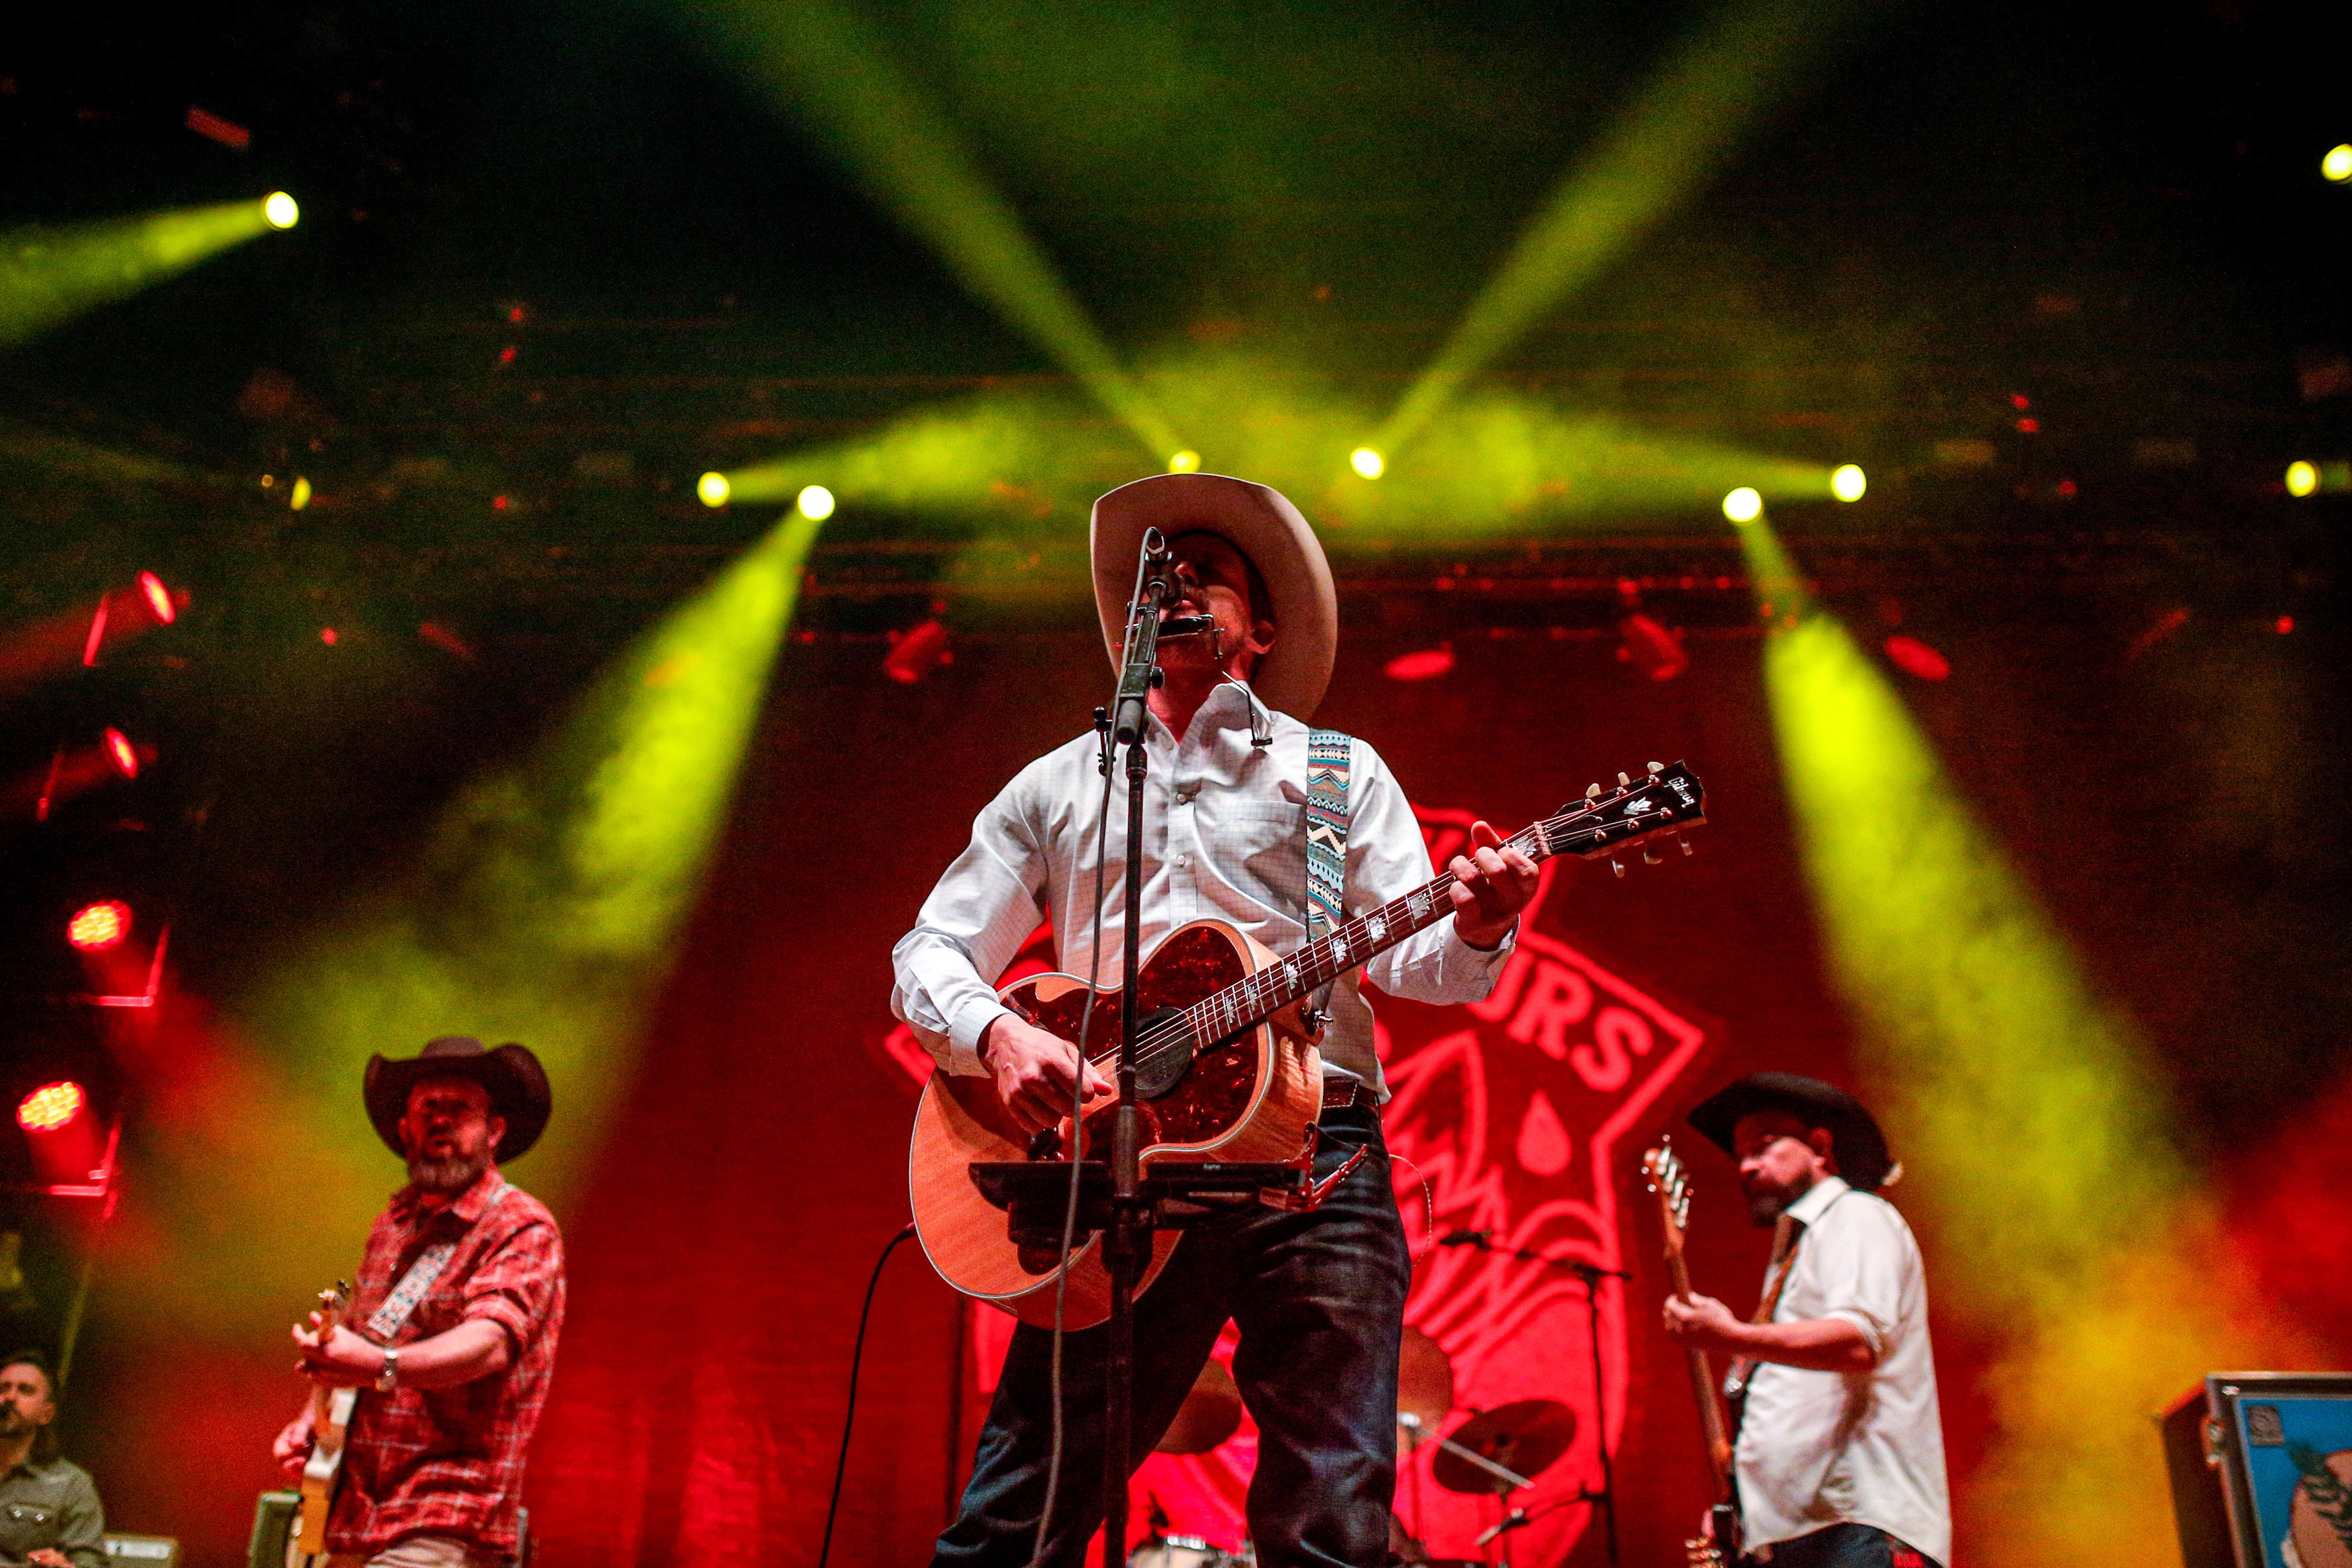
1160 1065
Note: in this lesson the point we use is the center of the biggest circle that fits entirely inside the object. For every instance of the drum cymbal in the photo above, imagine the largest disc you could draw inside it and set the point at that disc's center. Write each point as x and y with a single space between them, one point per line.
1529 1436
1425 1381
1211 1413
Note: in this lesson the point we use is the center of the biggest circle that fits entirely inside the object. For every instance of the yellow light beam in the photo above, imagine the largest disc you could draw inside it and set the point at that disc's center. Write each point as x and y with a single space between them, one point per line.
2038 1141
1733 73
49 275
818 62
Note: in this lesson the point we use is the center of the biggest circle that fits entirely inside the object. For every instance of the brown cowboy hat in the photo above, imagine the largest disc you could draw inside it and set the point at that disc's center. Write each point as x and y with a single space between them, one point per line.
516 1082
1262 526
1856 1141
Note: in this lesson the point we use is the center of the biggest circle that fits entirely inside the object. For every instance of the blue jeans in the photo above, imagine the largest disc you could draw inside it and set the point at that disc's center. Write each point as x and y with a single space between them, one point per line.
1846 1546
1319 1300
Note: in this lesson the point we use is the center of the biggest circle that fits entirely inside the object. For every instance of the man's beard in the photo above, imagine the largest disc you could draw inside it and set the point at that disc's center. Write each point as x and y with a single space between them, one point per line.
454 1174
12 1421
1768 1203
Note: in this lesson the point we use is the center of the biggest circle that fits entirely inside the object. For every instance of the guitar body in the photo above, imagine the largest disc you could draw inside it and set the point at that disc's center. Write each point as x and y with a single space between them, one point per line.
1253 1097
331 1426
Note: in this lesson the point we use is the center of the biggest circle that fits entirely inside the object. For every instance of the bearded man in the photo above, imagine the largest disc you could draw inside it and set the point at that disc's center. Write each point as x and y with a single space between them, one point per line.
1841 1450
49 1512
454 1323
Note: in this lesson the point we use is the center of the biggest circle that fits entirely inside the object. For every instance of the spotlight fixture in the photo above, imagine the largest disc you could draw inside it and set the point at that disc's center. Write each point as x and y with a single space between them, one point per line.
1743 505
122 754
713 489
2337 165
1650 647
281 210
299 496
159 598
1185 462
815 503
1423 664
1848 481
915 654
2302 478
1915 658
100 927
1366 462
51 1107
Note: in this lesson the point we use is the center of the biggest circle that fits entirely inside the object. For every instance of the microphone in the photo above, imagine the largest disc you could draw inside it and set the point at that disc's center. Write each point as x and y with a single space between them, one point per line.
1481 1239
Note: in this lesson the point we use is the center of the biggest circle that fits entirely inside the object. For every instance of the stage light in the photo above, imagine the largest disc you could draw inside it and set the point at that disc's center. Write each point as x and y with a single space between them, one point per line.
97 928
1185 462
1424 664
915 654
122 754
281 210
1650 647
713 488
1847 482
814 503
1366 462
159 598
300 497
1743 505
1915 658
2302 478
51 1108
2337 165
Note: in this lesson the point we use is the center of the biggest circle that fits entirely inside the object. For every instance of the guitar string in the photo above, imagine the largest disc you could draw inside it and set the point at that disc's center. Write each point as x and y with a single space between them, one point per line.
1170 1034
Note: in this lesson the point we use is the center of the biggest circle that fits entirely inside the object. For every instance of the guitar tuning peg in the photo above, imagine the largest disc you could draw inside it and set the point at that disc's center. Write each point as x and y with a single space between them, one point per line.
1592 793
1616 865
1656 768
1684 842
1624 782
1649 855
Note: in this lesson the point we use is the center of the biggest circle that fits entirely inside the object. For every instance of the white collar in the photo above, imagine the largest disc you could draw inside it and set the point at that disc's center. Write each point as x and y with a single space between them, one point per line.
1818 1197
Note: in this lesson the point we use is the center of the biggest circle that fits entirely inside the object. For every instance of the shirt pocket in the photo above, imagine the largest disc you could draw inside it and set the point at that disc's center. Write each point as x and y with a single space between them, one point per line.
1259 851
26 1527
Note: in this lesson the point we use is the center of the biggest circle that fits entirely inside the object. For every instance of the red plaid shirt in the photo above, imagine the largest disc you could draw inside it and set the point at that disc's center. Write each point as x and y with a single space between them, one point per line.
448 1461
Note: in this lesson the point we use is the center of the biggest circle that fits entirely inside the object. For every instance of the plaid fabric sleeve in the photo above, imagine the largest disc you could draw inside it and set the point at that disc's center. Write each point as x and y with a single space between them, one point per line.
516 1282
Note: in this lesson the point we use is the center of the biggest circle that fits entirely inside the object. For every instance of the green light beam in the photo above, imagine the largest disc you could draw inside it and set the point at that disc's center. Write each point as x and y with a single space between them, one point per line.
820 63
2040 1145
49 275
1735 72
546 905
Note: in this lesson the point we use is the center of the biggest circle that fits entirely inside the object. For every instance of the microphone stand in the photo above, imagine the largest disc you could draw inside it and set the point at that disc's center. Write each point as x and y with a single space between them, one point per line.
1127 1244
1593 1275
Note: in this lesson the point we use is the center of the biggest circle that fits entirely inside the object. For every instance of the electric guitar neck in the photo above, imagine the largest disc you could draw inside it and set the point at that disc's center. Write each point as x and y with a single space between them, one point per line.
1667 1180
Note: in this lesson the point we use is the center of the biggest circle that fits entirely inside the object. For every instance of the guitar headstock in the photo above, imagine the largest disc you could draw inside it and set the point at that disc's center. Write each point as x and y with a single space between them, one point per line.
333 1303
1667 800
1663 1168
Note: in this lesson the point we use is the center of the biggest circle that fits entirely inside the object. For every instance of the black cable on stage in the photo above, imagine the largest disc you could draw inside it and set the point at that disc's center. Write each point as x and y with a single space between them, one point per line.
850 1416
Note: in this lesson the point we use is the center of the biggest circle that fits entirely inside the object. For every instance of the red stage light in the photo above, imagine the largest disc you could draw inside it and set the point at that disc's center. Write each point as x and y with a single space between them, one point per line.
1427 664
100 926
327 636
2018 401
1916 657
1651 647
159 598
498 503
122 754
51 1108
2285 625
2028 426
915 654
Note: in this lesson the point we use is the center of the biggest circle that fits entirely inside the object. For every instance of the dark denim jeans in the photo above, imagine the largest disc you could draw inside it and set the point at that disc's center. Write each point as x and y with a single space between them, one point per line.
1319 1300
1847 1546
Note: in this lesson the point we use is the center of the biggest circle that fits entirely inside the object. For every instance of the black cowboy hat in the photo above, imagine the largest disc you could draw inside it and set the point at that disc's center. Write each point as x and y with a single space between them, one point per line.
516 1082
1859 1147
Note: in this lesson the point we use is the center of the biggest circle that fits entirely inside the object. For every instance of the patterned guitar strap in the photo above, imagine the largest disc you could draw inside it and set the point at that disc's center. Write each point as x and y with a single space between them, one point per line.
1328 754
386 1321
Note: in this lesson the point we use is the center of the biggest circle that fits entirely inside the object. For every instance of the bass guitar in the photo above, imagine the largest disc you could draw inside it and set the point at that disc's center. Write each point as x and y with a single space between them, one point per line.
330 1424
1720 1545
1227 1068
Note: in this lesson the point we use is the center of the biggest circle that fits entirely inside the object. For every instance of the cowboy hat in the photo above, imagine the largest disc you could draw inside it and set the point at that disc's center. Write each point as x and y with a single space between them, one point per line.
516 1082
1262 526
1855 1141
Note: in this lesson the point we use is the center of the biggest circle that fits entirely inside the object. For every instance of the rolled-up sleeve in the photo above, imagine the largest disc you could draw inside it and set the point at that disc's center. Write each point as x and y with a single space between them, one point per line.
518 1285
1858 1268
975 920
1387 859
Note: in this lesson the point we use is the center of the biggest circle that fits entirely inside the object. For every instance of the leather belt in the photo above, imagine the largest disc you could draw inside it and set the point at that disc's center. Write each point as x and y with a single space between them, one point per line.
1345 1093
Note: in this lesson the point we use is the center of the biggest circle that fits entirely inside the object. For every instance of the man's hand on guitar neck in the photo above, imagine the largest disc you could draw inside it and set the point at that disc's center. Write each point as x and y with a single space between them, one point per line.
1033 1072
1491 885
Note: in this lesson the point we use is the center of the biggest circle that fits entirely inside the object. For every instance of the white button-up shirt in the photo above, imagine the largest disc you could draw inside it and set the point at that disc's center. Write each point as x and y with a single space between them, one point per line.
1225 838
1818 1449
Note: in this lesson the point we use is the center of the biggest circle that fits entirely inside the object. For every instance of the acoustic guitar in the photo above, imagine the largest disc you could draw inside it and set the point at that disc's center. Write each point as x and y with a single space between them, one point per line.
1227 1068
1720 1545
330 1424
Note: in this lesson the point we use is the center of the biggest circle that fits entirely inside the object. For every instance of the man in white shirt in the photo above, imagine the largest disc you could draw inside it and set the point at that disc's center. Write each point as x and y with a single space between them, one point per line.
1318 1297
1841 1451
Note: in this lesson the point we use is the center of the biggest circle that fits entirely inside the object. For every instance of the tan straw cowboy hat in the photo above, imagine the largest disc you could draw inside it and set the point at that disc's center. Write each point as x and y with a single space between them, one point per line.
1262 526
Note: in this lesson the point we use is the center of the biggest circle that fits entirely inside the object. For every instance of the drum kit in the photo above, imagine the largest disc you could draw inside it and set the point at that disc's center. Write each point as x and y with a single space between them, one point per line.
1499 1451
